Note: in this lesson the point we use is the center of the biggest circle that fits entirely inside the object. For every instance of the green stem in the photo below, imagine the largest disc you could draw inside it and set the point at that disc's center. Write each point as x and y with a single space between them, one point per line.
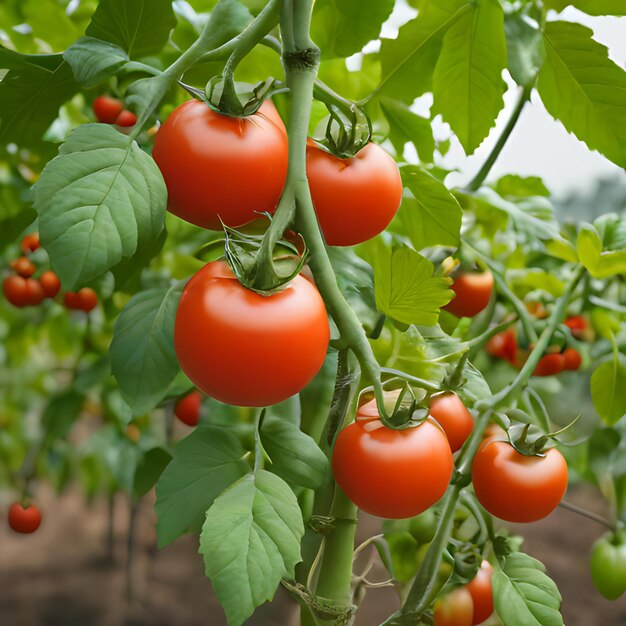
482 174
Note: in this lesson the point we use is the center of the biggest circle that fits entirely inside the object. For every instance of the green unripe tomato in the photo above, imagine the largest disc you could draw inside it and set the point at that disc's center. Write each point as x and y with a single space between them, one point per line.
608 566
423 527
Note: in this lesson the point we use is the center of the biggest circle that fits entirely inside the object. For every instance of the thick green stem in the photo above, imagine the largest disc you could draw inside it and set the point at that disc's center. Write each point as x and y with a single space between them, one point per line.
482 174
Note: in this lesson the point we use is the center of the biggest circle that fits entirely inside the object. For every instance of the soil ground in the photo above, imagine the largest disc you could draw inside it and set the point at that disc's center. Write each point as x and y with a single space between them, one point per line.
60 577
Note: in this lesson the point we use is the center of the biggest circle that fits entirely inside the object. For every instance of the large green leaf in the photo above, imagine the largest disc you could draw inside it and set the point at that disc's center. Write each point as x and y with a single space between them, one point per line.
524 595
205 463
409 60
342 27
584 89
99 202
406 126
141 27
608 390
149 470
49 22
143 359
432 216
592 7
250 540
468 87
406 288
93 60
61 413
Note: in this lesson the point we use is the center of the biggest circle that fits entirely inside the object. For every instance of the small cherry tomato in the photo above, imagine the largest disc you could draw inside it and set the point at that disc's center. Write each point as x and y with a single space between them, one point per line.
453 416
24 520
472 293
107 109
50 284
36 293
503 345
549 365
87 299
16 290
455 609
187 409
30 243
126 118
24 267
577 325
71 300
393 474
571 359
355 199
515 487
482 593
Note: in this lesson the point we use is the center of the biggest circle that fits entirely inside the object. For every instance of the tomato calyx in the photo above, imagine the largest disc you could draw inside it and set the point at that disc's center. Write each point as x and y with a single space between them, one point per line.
403 407
530 440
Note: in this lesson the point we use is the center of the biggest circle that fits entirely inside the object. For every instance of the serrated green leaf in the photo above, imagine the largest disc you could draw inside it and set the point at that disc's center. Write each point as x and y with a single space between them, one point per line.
93 60
99 201
140 27
205 463
524 595
580 86
295 456
149 470
525 48
249 541
468 87
406 126
433 215
142 354
608 390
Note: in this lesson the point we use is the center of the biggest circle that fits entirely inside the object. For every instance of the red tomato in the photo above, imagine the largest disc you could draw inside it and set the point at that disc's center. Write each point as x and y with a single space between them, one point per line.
356 198
453 417
246 349
30 243
107 109
518 488
455 609
16 291
50 284
392 473
472 293
24 519
217 166
24 267
503 345
71 300
126 118
549 364
481 592
187 409
577 325
87 299
36 293
571 359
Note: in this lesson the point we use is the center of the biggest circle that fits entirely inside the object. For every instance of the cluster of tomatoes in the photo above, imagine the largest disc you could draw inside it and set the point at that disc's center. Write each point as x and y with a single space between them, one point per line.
21 289
111 111
24 519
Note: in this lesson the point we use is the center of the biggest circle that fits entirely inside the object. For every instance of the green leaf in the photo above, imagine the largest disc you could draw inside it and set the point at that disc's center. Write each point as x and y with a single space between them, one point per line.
608 390
149 470
49 22
467 82
584 89
516 186
562 249
433 215
101 200
205 463
404 125
249 541
524 595
591 7
93 60
141 27
61 413
15 214
143 359
525 49
295 456
405 287
409 60
342 27
600 264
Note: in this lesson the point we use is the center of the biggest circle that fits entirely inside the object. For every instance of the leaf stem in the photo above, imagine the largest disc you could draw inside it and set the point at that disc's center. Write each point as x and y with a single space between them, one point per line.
588 514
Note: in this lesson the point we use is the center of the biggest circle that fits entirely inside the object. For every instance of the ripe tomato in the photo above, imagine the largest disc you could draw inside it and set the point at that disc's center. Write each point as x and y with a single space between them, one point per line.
218 167
50 284
608 566
87 299
24 519
577 325
356 198
455 609
36 293
70 298
30 243
107 109
518 488
453 417
246 349
187 409
24 267
503 345
571 359
16 291
472 293
549 364
126 118
392 473
481 592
